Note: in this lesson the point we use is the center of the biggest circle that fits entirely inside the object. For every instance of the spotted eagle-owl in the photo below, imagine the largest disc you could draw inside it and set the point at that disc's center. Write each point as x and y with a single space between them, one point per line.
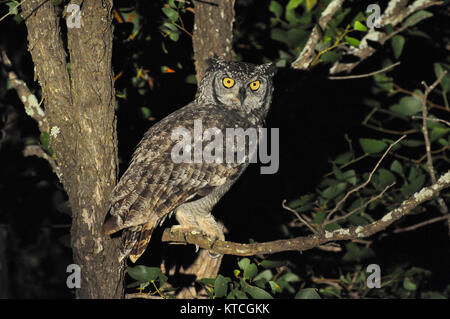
230 95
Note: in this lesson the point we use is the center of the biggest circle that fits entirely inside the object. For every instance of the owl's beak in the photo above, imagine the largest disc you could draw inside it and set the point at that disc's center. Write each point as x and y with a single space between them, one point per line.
241 94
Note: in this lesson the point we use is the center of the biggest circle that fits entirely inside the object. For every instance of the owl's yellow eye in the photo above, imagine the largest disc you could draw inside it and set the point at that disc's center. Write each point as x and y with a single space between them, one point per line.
228 82
255 85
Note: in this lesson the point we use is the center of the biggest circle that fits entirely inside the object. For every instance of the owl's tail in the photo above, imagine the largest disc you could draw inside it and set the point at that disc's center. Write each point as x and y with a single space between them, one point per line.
136 240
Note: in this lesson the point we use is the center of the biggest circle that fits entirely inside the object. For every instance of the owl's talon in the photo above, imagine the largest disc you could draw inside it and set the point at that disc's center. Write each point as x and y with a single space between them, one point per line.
213 255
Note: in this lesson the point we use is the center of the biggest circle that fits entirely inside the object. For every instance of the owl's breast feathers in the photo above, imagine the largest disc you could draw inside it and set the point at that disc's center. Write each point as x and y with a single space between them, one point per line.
154 185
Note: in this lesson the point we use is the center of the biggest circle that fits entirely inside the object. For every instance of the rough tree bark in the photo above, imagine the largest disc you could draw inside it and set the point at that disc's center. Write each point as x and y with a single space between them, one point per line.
213 32
79 111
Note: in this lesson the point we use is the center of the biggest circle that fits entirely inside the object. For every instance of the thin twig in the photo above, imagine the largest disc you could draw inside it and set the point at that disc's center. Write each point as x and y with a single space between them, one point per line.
374 198
359 76
428 89
12 10
421 224
414 117
338 205
300 218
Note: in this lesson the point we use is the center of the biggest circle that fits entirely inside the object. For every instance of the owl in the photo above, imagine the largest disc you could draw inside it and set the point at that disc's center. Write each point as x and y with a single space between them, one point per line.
230 95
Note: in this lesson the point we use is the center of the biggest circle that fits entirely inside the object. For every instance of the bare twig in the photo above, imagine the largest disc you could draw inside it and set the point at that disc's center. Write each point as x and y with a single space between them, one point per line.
338 205
12 10
431 119
421 224
36 150
29 100
300 218
359 76
428 89
315 240
372 199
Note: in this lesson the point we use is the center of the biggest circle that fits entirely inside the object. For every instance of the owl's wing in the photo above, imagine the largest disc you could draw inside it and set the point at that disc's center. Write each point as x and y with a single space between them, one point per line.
153 185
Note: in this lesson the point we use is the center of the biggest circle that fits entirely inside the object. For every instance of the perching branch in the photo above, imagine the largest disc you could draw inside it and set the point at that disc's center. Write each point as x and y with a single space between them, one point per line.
312 241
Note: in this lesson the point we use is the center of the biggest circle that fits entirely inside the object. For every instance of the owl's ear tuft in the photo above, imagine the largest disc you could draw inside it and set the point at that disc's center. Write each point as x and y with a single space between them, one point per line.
269 68
215 60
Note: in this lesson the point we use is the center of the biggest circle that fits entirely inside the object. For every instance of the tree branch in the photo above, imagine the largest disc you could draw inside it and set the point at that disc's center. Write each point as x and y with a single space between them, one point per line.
443 207
394 14
312 241
29 100
306 56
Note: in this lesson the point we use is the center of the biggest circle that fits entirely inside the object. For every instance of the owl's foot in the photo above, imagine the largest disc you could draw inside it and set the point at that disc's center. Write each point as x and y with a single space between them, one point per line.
213 234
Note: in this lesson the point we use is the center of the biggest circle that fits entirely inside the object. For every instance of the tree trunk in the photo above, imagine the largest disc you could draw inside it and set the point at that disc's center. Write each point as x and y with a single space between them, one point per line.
213 32
79 108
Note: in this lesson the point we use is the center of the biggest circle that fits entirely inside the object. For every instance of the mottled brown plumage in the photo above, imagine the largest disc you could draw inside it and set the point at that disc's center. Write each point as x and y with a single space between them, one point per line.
154 185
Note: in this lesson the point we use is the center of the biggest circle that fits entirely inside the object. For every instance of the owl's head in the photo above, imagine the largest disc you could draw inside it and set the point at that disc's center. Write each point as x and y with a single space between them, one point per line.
239 85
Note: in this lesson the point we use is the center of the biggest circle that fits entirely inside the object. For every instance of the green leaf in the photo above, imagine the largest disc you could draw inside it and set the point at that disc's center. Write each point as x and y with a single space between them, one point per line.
170 13
12 7
275 287
143 273
408 284
359 26
307 293
272 263
250 271
408 105
438 132
146 113
412 143
174 36
207 281
276 9
221 286
191 79
310 4
332 191
244 263
445 82
292 4
290 277
343 158
417 17
397 167
385 178
416 180
397 43
239 294
45 139
265 274
372 146
352 41
350 176
257 293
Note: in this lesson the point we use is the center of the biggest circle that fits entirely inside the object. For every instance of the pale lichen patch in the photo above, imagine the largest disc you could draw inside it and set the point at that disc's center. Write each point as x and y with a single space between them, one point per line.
359 231
423 194
54 131
387 217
